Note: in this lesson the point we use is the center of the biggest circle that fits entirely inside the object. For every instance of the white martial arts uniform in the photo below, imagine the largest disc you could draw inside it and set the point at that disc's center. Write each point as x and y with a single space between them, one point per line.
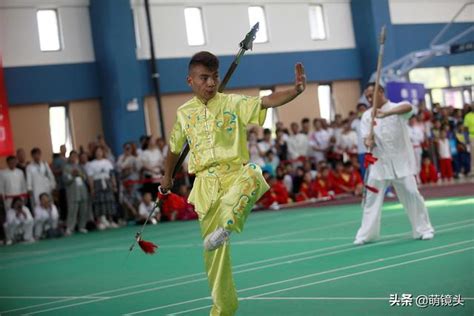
19 224
45 219
396 165
40 179
298 145
12 184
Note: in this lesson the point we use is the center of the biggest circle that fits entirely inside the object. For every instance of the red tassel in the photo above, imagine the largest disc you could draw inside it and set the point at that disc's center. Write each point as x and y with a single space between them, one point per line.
369 159
372 189
147 247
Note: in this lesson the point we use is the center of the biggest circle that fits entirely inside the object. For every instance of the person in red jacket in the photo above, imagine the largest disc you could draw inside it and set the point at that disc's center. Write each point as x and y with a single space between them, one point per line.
353 179
339 180
428 173
321 186
305 192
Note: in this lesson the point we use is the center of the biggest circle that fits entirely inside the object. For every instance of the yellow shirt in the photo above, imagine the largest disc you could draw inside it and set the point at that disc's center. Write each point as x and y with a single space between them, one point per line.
469 123
216 132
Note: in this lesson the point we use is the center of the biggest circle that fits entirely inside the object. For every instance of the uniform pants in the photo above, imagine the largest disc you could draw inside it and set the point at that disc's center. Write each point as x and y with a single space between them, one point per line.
223 197
410 198
24 227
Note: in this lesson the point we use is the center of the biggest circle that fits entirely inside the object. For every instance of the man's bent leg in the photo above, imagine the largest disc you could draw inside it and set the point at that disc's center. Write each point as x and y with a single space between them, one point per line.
243 192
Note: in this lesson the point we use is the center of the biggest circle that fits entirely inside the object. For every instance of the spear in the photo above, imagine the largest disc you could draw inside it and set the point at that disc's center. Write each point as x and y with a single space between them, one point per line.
245 45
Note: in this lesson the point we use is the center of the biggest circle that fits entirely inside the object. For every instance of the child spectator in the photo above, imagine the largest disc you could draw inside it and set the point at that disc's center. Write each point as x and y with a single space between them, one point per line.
305 192
352 179
19 223
145 208
46 217
445 160
428 173
321 186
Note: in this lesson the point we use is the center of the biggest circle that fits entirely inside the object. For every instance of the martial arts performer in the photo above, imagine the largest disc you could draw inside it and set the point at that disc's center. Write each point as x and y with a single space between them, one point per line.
390 143
226 186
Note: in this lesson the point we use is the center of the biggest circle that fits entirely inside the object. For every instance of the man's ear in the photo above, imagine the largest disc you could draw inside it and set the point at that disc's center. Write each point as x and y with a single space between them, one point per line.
189 80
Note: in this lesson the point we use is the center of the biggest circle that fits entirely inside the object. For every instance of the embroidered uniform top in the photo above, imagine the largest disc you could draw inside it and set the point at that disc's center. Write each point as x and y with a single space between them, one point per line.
216 132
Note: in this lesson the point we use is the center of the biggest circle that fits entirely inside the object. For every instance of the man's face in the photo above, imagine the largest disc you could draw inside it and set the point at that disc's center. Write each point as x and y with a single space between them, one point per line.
204 82
369 94
12 163
37 156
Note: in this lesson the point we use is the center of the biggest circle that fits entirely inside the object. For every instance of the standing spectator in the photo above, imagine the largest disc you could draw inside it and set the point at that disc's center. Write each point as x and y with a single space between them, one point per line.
75 181
298 143
462 142
347 142
361 149
281 145
319 141
19 223
445 161
100 172
152 166
39 177
417 137
469 123
162 147
256 156
59 161
267 142
305 126
22 162
46 217
12 183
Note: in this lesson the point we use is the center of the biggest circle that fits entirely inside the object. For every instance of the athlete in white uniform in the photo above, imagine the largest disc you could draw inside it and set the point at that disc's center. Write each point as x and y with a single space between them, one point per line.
396 165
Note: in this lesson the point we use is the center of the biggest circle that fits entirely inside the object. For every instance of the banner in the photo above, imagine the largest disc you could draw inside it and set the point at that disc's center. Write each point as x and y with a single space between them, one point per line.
405 91
6 136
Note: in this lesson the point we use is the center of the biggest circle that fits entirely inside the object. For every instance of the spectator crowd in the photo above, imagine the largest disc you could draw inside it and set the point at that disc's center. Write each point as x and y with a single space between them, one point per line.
310 160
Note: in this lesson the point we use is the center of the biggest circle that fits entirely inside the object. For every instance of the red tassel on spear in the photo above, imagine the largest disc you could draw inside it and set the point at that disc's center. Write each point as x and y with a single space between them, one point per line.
369 159
147 246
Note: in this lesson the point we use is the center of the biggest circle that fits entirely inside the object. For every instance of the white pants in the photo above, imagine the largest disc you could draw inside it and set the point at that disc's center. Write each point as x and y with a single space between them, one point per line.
15 228
45 221
418 154
409 196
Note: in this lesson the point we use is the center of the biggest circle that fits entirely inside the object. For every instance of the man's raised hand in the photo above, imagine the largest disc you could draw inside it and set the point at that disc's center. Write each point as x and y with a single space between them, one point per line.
300 78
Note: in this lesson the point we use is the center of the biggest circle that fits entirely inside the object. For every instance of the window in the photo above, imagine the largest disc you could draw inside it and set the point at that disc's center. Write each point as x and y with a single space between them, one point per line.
48 28
194 26
435 77
316 22
428 103
461 75
271 118
257 14
324 97
59 127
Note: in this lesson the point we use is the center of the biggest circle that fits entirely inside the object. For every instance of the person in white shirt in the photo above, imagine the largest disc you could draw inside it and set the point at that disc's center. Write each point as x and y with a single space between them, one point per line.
19 223
298 143
256 156
12 183
396 165
145 208
39 177
102 184
152 162
267 143
361 150
347 142
417 137
319 141
46 216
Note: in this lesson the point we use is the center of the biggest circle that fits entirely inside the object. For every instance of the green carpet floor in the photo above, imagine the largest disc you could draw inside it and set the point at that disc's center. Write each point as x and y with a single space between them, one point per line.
292 262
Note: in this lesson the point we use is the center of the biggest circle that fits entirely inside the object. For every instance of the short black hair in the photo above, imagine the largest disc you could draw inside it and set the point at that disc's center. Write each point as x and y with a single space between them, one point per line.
372 84
205 59
305 120
267 131
35 150
10 158
361 104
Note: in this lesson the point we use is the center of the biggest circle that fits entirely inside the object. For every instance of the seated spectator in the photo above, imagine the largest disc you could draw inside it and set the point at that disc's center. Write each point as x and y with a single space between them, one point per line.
12 183
428 173
271 162
321 185
353 180
130 199
46 218
145 208
339 180
19 223
305 192
286 178
177 207
277 194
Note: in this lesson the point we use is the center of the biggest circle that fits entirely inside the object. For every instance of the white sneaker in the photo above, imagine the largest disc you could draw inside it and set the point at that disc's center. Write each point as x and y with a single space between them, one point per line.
216 239
100 226
83 231
113 224
8 243
359 242
427 236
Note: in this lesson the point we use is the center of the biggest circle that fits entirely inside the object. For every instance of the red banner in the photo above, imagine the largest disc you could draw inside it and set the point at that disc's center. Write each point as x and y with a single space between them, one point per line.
6 136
